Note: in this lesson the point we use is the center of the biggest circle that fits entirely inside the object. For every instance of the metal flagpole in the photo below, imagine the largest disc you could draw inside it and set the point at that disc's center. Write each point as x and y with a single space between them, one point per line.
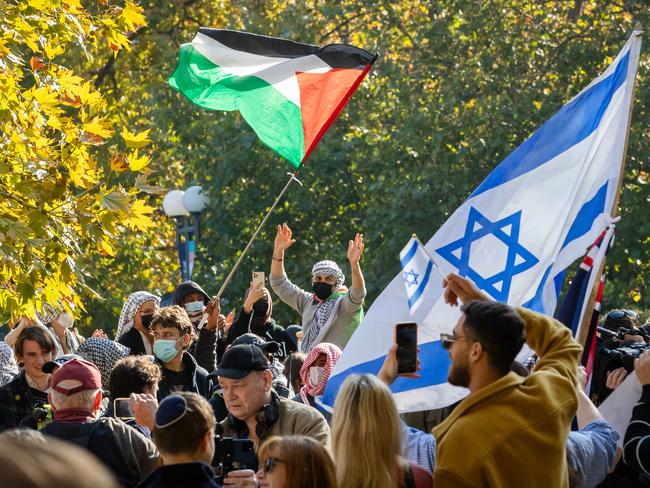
257 231
292 177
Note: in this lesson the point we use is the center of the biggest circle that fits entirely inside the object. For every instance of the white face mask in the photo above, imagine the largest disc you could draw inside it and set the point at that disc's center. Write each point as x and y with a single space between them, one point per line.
65 320
316 374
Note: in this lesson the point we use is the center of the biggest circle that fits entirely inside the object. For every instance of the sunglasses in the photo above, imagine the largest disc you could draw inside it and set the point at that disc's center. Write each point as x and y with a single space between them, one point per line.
447 340
619 314
271 463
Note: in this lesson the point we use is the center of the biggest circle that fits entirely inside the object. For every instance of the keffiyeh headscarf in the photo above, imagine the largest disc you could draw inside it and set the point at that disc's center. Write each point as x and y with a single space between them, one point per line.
332 354
103 353
8 366
329 268
130 308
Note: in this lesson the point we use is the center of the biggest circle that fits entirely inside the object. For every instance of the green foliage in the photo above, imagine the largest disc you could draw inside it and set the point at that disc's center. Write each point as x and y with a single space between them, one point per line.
458 85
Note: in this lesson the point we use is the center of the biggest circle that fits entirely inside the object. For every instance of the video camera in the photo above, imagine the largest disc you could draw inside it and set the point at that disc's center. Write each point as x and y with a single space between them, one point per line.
614 352
232 454
623 354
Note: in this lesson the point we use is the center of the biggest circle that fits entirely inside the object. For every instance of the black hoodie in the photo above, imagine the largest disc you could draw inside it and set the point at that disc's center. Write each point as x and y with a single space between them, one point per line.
204 347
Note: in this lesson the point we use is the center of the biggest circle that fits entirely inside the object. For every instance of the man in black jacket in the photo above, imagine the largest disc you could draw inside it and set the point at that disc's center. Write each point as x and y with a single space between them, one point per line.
27 392
173 334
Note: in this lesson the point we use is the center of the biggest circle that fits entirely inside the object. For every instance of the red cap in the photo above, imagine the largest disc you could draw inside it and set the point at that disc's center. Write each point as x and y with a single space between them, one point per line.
79 375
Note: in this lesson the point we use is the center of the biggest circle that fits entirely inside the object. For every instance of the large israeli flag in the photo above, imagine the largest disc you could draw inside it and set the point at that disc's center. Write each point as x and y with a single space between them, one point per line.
535 214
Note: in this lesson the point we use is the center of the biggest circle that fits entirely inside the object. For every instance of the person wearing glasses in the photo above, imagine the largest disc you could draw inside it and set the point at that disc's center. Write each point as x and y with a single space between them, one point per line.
294 461
518 426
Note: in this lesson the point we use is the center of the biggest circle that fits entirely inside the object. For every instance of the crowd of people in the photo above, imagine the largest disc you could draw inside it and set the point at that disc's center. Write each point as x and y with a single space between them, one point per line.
185 396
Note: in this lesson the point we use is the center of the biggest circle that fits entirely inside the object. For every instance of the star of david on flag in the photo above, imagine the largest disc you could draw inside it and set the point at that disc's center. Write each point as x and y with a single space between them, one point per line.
536 213
416 269
506 236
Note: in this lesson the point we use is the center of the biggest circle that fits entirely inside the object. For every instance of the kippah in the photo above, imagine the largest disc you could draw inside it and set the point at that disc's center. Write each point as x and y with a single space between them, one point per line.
171 410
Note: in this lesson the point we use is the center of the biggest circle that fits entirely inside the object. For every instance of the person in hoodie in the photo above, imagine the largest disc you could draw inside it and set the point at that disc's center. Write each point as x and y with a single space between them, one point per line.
191 297
173 333
255 317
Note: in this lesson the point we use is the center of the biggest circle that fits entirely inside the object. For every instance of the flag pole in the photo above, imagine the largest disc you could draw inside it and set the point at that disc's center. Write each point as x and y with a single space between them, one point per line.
586 319
292 177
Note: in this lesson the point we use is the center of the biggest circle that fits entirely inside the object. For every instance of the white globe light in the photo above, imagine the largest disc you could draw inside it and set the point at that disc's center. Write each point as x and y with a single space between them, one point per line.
195 200
173 204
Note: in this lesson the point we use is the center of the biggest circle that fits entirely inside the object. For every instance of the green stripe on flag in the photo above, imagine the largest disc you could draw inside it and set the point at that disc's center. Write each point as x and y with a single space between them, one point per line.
276 120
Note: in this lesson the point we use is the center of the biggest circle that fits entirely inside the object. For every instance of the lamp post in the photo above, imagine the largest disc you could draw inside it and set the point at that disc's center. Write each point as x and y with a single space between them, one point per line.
186 207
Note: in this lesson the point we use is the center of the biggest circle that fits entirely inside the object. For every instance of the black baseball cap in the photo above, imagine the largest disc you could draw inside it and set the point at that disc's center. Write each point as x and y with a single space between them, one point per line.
51 366
240 360
255 340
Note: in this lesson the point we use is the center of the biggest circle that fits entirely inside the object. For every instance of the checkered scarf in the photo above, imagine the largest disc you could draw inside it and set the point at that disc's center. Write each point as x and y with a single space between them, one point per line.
8 366
329 268
130 308
332 353
103 353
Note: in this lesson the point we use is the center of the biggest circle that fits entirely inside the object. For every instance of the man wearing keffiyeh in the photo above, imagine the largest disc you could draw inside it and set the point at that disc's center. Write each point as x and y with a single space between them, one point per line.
331 312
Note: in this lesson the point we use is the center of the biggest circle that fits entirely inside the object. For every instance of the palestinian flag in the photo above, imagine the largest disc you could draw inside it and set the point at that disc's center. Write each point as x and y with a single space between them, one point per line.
289 93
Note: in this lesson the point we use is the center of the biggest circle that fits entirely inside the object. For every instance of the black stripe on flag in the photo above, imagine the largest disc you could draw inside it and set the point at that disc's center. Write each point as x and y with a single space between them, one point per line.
336 55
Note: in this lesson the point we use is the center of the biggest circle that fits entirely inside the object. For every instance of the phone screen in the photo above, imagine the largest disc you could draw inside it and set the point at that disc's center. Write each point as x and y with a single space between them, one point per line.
122 409
406 337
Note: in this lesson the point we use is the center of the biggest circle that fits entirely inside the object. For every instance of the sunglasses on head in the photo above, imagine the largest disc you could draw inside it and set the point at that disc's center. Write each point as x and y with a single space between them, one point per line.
270 463
619 314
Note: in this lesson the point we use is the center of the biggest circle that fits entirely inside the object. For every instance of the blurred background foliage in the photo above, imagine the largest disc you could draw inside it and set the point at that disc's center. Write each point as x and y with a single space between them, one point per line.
457 86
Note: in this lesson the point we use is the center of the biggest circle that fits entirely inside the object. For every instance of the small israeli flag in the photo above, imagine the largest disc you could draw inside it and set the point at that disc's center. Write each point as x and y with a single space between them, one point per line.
416 271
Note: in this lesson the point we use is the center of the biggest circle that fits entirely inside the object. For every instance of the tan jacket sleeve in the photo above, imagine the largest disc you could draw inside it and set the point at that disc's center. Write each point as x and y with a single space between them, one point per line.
552 341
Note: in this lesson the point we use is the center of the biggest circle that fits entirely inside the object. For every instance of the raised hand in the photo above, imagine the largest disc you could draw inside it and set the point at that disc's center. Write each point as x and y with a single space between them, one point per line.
457 287
355 249
254 294
213 311
283 239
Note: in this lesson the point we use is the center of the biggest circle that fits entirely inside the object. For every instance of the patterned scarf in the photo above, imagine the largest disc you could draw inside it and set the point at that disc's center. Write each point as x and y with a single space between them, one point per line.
130 308
321 317
8 366
103 353
332 354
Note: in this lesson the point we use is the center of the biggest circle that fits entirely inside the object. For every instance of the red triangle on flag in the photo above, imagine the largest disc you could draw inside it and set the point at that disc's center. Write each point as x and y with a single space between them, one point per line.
322 97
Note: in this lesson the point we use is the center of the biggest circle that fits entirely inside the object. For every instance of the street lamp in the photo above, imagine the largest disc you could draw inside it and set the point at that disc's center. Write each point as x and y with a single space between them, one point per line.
186 207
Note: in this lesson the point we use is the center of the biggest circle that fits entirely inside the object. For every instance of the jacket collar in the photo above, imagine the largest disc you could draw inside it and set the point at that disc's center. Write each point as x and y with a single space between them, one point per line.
476 400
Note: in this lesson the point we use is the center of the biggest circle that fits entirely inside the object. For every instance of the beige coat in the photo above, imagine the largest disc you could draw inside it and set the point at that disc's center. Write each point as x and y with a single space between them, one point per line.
294 419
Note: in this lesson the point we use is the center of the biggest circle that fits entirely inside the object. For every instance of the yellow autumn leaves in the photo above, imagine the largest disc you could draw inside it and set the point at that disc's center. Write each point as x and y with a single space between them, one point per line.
68 184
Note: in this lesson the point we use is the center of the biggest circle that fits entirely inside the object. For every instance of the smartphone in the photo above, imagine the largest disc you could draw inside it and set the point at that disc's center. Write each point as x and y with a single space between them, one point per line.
122 408
258 279
406 338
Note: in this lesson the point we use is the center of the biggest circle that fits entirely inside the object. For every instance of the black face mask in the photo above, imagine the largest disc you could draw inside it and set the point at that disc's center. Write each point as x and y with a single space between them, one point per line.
260 308
322 289
146 320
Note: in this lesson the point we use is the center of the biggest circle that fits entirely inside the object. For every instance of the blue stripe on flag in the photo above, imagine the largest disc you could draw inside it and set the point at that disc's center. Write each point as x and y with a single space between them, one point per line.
423 285
586 216
410 254
573 123
434 361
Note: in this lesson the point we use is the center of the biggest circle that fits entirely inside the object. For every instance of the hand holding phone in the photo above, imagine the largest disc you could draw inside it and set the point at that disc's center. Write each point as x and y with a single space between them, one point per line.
122 409
406 338
258 279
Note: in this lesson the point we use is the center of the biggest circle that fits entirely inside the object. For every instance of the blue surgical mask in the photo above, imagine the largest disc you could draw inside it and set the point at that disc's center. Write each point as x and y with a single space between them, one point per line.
165 349
194 308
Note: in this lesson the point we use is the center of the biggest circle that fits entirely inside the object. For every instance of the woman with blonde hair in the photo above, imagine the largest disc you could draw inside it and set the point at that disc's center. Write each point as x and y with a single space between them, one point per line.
295 462
366 438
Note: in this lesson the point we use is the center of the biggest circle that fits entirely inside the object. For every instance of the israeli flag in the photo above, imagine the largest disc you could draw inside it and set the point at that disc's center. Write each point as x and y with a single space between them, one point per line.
417 268
535 214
